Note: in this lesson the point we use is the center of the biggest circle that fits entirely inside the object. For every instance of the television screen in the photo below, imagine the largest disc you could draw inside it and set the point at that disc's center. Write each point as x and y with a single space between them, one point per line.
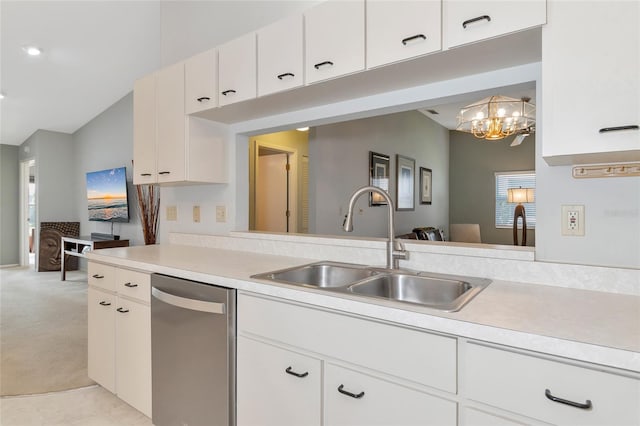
107 195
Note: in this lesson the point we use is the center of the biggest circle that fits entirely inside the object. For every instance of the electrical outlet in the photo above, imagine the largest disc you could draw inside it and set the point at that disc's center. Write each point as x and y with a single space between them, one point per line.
196 214
172 213
573 220
221 214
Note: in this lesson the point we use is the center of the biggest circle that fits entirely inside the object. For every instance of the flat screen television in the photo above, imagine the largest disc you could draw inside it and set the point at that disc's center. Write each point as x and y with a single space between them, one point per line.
107 198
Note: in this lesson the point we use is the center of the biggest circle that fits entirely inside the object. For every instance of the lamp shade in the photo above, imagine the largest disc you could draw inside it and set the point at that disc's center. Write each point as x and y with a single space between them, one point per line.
520 195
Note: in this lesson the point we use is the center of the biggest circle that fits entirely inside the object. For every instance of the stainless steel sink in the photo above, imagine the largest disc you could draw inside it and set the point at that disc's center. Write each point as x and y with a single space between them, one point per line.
443 292
321 274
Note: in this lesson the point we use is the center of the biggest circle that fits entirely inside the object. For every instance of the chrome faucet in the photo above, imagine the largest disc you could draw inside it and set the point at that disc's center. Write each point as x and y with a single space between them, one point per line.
395 251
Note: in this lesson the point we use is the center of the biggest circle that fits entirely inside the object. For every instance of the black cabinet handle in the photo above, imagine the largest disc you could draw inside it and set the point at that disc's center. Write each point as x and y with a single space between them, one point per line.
415 37
286 74
97 276
352 395
204 98
103 303
130 285
226 92
321 64
586 406
289 370
479 18
122 310
145 174
616 129
164 173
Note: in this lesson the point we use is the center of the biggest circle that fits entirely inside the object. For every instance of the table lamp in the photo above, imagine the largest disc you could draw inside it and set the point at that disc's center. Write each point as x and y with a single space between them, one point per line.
520 195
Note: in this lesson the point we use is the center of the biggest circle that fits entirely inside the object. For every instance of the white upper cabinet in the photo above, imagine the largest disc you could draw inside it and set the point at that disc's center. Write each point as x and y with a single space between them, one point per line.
171 123
334 39
591 90
280 56
400 29
144 130
468 21
237 70
201 81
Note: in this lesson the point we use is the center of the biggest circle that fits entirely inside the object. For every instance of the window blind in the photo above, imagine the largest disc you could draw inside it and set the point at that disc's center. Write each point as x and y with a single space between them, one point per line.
504 210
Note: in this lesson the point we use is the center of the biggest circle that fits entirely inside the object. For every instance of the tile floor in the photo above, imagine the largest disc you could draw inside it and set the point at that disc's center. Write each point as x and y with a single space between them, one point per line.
89 406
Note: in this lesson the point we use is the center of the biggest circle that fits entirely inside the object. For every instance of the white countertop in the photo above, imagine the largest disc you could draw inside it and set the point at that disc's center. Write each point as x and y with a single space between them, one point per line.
591 326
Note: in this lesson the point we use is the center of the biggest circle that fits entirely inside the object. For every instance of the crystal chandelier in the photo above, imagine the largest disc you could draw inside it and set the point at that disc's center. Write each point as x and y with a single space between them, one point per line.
496 117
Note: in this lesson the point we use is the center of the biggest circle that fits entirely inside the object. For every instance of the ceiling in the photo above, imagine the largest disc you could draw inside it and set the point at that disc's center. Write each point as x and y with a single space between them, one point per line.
92 51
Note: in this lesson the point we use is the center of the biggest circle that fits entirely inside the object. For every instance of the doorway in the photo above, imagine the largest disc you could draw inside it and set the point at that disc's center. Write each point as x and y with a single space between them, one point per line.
28 213
275 189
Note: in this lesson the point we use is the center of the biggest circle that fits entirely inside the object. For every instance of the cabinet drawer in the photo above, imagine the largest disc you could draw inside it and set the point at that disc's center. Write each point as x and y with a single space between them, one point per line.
518 383
353 398
102 276
134 284
410 354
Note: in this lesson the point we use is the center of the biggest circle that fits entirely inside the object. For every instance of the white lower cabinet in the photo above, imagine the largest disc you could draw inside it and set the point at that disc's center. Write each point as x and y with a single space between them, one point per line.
352 397
277 387
119 334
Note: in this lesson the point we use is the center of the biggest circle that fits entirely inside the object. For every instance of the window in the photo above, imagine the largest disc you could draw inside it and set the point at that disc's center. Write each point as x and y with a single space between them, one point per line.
504 210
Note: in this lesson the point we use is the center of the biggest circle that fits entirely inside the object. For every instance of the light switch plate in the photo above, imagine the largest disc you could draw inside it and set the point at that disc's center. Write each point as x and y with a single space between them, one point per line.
196 214
221 214
172 213
572 220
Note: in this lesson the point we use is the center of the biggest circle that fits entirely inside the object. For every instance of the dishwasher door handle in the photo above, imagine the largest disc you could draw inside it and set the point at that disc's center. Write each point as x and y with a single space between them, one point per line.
186 303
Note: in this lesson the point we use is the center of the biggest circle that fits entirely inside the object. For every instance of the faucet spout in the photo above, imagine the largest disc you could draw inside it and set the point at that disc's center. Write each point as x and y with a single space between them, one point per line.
394 253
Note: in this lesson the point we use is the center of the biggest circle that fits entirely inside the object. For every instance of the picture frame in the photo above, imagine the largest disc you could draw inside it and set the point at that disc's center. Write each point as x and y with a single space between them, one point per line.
378 176
405 183
426 185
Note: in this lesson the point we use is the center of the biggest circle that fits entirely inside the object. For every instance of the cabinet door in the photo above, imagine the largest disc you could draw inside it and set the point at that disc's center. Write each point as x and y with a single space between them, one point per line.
590 71
354 398
277 387
237 70
201 81
144 130
468 21
280 56
398 30
171 124
133 354
334 39
101 360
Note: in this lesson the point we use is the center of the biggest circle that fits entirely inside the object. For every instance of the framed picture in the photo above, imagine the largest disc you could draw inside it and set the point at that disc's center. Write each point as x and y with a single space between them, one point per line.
405 170
378 176
425 185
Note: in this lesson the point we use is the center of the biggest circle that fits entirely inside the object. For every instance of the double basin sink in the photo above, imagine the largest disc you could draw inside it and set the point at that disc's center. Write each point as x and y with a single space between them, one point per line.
444 292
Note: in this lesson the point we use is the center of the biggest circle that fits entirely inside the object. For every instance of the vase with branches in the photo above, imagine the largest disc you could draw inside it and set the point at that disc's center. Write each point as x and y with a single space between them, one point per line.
149 208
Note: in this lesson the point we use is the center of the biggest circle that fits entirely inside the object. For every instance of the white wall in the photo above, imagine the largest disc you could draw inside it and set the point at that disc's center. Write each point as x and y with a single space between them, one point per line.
339 164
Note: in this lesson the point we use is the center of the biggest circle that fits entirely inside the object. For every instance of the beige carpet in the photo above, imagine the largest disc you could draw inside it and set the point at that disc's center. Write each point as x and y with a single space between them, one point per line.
43 331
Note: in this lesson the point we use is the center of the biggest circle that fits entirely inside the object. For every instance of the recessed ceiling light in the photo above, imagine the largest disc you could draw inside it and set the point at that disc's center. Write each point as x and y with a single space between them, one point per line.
32 50
302 129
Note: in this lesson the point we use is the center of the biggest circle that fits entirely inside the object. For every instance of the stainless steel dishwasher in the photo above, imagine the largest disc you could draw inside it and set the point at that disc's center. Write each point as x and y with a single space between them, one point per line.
193 353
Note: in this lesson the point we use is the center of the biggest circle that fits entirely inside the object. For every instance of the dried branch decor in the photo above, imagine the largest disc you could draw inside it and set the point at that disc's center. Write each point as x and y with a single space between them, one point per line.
149 207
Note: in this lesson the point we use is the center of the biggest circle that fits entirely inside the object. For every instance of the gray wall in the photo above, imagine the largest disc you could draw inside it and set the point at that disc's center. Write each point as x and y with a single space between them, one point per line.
339 164
103 143
9 205
472 181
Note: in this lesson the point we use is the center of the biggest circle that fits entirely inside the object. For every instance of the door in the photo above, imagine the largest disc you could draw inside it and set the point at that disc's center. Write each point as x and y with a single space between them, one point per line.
272 189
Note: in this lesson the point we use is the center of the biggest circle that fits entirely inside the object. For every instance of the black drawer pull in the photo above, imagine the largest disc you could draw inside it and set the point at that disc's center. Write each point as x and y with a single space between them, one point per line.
164 173
289 370
98 276
352 395
615 129
103 303
226 92
321 64
415 37
145 174
586 406
286 74
479 18
130 285
122 310
204 98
